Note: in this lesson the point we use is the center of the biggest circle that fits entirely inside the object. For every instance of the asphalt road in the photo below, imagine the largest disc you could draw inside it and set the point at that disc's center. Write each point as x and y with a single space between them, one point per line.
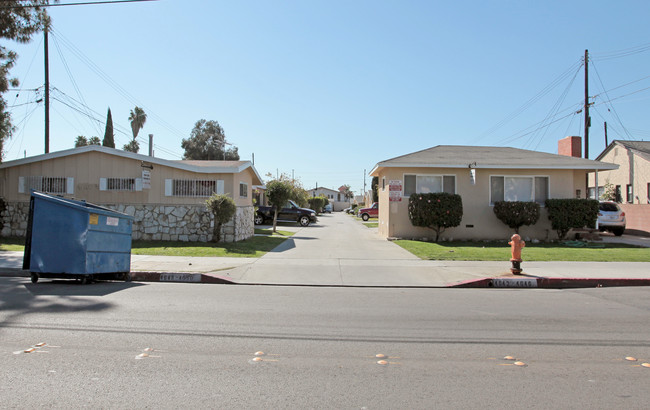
129 345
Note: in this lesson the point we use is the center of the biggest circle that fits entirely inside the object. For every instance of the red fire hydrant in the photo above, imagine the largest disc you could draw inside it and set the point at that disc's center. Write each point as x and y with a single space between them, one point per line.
516 245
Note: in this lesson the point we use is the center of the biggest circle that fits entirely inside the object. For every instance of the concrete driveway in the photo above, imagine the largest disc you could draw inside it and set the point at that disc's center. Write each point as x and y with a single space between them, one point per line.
339 250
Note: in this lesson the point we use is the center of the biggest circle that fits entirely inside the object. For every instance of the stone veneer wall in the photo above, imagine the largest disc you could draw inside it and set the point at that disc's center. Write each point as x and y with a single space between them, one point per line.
154 222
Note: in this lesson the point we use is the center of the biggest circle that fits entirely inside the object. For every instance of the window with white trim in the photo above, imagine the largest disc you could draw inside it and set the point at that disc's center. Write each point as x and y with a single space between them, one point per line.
519 188
243 190
50 185
427 184
193 187
120 184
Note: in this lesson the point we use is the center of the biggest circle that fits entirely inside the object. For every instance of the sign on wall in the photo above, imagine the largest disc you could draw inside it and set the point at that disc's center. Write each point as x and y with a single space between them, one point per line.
146 179
395 190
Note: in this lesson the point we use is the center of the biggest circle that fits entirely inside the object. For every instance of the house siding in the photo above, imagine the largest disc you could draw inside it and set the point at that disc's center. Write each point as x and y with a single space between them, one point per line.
479 220
157 216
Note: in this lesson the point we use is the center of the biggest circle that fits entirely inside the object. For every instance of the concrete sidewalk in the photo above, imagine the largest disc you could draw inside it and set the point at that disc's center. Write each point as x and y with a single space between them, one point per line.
340 251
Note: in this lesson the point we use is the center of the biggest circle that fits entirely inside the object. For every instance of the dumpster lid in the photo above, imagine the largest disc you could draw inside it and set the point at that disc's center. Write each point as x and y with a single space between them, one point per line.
80 205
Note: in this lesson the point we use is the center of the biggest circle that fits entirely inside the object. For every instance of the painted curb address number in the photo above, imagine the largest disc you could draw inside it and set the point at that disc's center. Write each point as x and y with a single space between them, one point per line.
180 277
514 283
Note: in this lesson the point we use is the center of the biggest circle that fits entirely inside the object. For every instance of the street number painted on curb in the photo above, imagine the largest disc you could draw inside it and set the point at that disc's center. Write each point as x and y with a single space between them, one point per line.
180 277
514 283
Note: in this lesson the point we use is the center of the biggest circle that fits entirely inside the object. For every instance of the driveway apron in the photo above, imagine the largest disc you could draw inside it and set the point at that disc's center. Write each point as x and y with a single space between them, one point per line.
338 250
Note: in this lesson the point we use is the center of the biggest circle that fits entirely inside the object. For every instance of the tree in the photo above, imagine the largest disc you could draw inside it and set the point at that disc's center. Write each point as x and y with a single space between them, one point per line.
569 213
609 192
18 23
81 141
132 146
374 185
278 193
207 142
347 193
109 138
437 211
223 208
137 118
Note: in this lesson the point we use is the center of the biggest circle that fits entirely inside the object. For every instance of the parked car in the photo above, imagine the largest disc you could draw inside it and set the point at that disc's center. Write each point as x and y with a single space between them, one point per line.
611 218
367 213
327 208
291 212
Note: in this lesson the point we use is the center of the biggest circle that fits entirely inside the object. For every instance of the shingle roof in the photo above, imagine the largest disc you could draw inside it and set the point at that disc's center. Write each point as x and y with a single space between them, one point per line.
460 156
202 167
643 147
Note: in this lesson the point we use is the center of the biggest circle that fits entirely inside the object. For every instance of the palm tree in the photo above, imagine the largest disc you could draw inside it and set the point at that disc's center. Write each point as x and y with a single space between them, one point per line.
137 117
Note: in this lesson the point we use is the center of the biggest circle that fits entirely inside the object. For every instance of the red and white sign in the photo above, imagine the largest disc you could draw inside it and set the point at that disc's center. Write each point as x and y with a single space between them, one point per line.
395 190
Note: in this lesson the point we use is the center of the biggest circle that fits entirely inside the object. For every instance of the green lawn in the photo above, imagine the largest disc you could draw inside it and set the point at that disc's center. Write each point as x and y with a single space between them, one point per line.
254 247
499 251
371 224
12 244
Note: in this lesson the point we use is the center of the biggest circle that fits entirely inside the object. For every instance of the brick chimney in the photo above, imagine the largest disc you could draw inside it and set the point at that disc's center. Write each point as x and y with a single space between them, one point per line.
570 146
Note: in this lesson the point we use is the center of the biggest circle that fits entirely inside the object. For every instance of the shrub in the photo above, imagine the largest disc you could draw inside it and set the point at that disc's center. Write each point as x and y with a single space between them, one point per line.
437 211
317 203
223 208
515 214
565 214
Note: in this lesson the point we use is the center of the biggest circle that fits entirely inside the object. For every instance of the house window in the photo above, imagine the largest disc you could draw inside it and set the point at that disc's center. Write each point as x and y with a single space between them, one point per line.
525 189
120 184
243 190
648 193
426 184
630 199
619 197
193 187
383 184
51 185
578 193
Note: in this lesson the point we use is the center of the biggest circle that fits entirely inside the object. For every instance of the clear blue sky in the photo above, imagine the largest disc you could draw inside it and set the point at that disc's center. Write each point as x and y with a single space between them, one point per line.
326 89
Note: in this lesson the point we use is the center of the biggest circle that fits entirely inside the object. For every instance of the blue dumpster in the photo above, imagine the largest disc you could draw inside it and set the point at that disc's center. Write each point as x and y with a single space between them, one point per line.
76 240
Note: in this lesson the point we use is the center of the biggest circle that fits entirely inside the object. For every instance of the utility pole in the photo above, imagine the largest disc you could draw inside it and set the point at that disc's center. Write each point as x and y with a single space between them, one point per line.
587 118
606 143
47 93
364 182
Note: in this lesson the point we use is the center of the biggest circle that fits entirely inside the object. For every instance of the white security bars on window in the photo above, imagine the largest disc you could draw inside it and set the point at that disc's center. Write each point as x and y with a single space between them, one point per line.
193 187
120 184
52 185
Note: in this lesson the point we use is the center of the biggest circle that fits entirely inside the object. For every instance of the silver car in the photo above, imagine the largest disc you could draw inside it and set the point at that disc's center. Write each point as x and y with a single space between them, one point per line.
611 218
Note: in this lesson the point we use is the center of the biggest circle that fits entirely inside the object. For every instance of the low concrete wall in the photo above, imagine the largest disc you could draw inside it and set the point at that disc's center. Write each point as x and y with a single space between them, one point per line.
153 222
637 217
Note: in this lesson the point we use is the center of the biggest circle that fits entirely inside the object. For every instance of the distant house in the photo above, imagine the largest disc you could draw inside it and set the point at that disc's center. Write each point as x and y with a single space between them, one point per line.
481 176
336 198
631 181
166 197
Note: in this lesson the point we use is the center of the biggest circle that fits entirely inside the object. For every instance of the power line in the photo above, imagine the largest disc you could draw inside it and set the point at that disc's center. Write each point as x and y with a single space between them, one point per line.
87 3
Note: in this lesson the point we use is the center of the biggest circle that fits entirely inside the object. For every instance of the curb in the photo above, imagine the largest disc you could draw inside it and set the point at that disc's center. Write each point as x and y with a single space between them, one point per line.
181 277
550 283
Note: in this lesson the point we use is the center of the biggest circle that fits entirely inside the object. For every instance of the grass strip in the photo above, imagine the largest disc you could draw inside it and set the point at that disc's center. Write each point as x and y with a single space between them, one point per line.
500 251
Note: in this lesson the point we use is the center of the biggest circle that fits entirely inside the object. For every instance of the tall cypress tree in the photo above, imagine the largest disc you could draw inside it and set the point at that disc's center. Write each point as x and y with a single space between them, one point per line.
109 141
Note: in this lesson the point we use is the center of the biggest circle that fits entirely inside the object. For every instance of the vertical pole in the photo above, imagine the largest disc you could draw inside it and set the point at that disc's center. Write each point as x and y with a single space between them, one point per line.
47 93
364 182
587 119
606 143
151 145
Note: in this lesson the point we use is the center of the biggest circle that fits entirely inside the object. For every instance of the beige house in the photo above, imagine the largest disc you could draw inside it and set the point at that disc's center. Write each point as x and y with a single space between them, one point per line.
166 197
481 176
631 181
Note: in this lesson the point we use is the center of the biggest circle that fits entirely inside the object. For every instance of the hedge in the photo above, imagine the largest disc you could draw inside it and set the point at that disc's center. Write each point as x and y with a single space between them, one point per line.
566 214
437 211
515 214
